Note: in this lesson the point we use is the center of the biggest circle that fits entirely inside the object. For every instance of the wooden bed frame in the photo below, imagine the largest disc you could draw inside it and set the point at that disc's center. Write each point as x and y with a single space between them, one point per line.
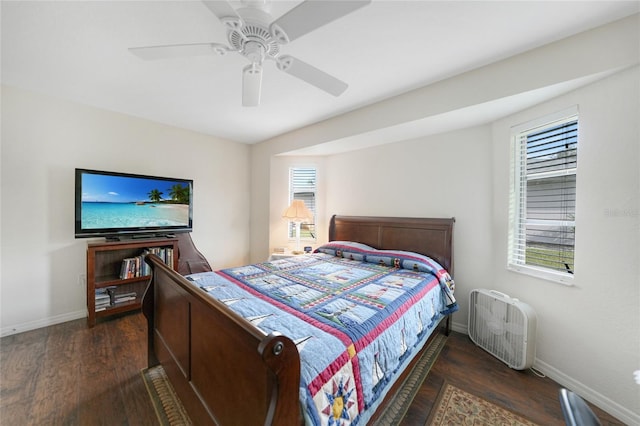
225 370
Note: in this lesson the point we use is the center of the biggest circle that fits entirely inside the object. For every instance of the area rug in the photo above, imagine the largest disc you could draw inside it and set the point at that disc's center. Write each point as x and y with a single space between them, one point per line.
457 407
166 403
401 401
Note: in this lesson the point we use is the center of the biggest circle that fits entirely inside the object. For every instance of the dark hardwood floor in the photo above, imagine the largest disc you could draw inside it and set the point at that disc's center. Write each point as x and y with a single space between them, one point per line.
68 374
472 369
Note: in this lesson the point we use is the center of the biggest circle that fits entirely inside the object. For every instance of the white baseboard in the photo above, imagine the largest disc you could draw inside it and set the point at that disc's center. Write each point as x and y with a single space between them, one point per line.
27 326
616 410
602 402
460 328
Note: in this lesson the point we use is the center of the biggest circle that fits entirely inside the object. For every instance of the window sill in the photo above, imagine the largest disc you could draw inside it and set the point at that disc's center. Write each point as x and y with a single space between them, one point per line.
303 240
563 278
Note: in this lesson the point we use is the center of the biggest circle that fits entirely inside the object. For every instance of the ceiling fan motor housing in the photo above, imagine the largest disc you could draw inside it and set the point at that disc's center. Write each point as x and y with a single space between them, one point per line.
253 39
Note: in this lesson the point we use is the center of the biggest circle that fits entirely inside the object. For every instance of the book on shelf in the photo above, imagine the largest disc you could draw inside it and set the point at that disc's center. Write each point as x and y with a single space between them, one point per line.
134 267
124 297
102 300
102 294
164 253
102 306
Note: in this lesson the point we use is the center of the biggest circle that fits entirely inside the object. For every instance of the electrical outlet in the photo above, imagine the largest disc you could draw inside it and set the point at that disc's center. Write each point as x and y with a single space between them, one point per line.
82 280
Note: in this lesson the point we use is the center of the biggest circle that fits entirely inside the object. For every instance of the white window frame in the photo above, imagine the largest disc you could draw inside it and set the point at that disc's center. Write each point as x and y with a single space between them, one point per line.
296 188
517 200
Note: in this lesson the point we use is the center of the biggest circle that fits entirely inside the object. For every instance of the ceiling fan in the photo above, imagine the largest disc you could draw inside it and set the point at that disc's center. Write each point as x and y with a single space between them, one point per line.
253 33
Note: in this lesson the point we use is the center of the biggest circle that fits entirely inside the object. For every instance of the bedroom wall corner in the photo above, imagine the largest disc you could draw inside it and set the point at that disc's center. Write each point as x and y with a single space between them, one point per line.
588 334
43 140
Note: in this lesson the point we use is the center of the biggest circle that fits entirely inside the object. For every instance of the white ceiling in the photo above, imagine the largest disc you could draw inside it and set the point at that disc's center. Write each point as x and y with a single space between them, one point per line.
78 51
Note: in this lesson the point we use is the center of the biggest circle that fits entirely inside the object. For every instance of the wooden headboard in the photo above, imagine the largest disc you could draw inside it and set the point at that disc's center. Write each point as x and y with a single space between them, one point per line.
428 236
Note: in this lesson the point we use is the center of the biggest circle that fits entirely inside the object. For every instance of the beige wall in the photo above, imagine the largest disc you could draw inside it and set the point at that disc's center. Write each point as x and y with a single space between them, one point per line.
43 141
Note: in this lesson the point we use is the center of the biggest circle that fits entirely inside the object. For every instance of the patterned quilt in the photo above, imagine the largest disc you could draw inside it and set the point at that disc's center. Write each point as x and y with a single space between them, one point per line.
356 314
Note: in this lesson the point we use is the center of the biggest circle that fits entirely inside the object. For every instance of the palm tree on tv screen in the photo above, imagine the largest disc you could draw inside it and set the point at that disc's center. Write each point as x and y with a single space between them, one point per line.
155 195
179 194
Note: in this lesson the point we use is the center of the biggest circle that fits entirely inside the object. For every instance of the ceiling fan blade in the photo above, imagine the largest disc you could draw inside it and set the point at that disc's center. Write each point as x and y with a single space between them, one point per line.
178 50
251 84
309 15
225 13
311 75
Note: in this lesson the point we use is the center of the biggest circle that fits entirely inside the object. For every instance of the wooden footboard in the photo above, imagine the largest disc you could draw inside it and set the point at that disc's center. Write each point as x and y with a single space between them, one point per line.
225 370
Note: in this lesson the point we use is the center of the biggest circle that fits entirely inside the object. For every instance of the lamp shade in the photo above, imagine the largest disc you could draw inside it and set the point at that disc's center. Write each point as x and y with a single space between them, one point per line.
298 212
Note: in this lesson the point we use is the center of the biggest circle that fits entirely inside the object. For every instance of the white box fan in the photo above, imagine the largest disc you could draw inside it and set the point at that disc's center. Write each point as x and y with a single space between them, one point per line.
504 327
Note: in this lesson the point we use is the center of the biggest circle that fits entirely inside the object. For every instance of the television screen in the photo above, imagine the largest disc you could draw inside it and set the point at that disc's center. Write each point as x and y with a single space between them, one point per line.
112 204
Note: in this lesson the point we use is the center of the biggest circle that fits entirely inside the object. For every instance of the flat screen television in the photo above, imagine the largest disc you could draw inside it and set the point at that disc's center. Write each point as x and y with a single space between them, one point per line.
124 205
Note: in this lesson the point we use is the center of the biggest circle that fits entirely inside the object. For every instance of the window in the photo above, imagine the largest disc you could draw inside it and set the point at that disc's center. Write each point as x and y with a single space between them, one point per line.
302 186
543 197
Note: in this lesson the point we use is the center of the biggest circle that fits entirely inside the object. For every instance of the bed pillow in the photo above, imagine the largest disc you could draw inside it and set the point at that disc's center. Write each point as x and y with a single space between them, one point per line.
394 258
404 259
347 249
414 262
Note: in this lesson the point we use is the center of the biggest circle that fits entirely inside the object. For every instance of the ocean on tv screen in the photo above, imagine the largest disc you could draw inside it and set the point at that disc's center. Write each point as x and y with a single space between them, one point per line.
102 215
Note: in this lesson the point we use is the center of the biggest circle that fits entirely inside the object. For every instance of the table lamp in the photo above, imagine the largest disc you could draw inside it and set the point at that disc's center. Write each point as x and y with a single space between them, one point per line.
297 213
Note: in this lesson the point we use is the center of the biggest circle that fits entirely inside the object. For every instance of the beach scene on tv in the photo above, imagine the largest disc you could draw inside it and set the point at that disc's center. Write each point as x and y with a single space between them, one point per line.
133 202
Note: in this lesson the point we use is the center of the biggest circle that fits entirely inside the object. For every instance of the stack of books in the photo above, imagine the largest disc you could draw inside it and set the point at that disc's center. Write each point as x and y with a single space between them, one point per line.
107 297
103 299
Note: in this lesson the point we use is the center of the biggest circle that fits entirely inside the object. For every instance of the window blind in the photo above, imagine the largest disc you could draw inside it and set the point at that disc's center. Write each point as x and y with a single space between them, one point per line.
544 196
302 186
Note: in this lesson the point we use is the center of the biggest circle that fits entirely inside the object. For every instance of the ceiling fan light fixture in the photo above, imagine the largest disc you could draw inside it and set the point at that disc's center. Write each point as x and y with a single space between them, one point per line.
251 84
